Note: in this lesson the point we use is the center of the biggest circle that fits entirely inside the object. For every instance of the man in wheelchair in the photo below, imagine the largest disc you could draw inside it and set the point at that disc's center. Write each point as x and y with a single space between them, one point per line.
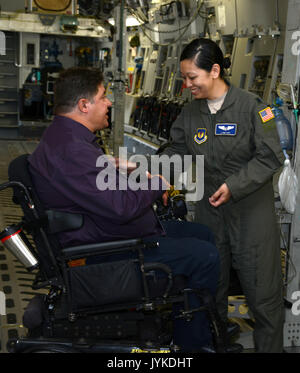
107 285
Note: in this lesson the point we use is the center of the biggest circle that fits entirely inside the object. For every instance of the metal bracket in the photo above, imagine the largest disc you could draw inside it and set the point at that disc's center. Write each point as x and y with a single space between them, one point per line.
47 19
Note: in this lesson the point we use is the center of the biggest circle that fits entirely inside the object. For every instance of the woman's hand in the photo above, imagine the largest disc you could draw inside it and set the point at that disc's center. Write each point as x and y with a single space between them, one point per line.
222 195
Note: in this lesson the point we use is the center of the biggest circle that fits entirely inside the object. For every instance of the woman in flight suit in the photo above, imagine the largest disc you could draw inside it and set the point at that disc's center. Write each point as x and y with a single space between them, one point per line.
236 133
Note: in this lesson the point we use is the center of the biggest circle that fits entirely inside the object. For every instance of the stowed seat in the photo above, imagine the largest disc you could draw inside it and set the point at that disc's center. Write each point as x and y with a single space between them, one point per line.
118 302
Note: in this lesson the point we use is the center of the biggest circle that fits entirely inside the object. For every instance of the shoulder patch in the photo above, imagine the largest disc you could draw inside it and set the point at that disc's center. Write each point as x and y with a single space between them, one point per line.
266 114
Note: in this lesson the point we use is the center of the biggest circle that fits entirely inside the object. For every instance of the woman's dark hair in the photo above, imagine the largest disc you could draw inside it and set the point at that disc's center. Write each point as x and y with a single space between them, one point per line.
205 53
73 84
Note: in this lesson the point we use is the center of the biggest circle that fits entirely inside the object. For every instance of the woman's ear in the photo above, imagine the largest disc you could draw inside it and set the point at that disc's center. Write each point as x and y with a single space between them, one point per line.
83 105
215 71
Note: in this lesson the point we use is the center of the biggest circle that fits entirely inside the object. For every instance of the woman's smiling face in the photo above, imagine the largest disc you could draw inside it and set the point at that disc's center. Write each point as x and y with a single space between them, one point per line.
199 81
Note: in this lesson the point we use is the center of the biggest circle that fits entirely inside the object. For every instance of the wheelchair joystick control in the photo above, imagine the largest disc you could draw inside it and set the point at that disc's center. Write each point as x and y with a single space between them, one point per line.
14 240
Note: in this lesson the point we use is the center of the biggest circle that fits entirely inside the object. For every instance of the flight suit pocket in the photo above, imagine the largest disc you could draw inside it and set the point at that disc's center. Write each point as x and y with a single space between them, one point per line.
236 152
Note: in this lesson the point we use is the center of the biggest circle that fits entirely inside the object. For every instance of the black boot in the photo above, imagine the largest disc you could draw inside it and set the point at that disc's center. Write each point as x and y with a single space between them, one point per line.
221 339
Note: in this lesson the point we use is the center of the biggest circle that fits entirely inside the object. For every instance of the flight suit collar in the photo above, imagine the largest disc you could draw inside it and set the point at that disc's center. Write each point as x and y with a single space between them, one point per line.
229 100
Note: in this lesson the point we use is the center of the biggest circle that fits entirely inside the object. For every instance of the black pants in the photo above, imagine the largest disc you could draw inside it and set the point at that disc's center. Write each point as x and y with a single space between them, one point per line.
189 249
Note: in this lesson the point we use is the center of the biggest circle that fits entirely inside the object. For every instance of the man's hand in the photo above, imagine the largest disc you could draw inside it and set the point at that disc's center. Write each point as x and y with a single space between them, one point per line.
222 195
165 196
124 165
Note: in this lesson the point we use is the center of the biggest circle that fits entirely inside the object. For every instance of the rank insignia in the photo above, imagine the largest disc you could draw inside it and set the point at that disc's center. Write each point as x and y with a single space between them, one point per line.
266 114
200 136
225 129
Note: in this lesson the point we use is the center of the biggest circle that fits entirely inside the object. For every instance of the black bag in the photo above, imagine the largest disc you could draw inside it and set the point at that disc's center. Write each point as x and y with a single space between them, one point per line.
104 283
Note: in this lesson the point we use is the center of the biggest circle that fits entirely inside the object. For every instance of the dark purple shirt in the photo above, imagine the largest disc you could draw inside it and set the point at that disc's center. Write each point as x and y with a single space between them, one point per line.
64 172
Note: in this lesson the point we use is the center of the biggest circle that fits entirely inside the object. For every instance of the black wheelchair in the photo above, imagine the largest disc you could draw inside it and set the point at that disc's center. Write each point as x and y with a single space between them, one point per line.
111 306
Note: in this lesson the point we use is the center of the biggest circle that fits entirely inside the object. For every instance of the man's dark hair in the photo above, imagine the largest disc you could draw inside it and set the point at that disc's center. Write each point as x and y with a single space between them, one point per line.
73 84
205 53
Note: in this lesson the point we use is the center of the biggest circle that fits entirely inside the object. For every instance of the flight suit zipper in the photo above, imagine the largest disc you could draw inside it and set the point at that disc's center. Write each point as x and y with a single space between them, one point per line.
211 142
211 147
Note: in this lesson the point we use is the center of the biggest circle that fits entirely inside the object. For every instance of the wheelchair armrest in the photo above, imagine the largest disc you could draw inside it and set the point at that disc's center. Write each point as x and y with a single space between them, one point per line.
105 248
60 221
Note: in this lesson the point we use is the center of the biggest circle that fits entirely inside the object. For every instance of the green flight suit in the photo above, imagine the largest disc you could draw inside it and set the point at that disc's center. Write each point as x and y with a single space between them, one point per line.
246 230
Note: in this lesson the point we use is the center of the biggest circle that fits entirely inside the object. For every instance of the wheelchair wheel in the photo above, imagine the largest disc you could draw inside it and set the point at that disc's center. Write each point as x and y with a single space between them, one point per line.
26 346
50 350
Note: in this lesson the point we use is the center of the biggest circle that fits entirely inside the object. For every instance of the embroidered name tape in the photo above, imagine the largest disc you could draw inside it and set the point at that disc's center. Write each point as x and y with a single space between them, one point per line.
266 114
200 136
226 129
